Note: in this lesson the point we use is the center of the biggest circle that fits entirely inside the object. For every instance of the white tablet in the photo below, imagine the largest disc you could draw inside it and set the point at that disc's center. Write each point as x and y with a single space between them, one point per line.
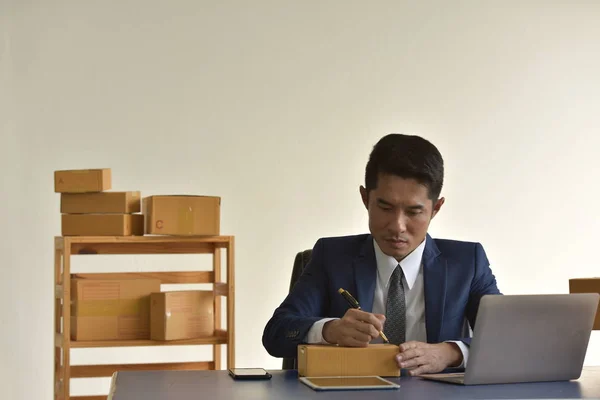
348 383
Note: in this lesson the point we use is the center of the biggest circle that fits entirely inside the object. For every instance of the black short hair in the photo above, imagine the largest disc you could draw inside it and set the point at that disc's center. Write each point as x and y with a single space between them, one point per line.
406 156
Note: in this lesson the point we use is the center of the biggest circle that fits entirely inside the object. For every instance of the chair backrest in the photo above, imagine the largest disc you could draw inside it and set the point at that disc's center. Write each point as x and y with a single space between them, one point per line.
302 258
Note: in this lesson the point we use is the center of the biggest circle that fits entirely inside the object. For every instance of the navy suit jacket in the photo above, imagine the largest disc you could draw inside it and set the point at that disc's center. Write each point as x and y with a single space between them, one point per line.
455 275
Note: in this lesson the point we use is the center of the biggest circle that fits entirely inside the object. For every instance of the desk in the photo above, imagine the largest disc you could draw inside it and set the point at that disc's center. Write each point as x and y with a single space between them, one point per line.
194 385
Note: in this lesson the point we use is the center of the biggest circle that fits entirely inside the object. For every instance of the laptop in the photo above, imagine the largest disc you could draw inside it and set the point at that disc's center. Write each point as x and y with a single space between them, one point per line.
528 338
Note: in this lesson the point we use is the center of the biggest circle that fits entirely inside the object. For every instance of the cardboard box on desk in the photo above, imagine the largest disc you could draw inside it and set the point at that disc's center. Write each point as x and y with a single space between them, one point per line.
101 203
182 315
82 180
330 360
182 215
111 309
587 285
102 224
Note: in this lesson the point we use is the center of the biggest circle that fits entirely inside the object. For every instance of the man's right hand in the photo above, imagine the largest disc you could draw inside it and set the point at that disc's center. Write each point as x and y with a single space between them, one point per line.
356 329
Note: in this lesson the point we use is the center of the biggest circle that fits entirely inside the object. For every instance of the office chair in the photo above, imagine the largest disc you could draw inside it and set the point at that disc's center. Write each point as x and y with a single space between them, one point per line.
302 258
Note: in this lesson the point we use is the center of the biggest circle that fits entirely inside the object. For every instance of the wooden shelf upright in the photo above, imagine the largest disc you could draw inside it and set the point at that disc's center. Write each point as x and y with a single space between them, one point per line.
65 247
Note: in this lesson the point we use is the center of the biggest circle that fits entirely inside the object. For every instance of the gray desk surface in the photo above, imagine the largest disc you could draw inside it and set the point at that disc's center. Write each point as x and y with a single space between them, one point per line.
194 385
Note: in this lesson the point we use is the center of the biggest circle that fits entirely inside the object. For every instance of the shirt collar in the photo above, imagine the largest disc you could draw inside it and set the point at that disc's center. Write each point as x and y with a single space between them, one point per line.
411 264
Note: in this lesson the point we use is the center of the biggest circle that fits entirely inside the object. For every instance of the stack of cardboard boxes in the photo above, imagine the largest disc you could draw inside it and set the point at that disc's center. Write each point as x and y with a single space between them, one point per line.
89 210
111 309
183 314
130 309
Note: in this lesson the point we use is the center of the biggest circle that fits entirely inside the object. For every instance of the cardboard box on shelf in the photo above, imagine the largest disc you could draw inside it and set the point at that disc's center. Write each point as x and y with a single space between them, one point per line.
329 360
587 285
182 215
111 309
182 315
102 224
82 180
101 203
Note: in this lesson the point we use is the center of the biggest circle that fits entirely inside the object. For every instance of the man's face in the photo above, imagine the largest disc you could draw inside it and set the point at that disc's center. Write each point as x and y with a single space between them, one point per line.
400 211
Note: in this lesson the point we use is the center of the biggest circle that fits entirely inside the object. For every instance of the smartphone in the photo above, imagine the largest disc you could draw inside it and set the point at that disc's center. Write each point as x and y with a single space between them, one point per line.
249 374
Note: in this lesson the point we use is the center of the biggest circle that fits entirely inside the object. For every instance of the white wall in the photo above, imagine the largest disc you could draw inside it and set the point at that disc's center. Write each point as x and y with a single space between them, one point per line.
274 105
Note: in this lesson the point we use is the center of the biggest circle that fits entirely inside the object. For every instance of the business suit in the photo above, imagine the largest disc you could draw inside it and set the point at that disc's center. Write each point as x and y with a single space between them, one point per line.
456 275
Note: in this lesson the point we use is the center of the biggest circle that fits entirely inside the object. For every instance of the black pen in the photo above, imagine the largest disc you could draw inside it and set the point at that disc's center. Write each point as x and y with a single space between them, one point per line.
354 304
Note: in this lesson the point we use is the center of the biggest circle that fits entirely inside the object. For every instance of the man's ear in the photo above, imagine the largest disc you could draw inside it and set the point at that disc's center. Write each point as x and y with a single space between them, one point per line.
365 196
437 206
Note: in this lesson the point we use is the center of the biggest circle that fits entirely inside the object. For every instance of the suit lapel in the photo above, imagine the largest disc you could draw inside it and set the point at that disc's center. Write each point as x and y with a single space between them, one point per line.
365 274
434 279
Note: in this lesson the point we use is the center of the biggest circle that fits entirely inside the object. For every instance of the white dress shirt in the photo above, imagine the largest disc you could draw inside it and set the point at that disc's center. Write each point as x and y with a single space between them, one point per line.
414 292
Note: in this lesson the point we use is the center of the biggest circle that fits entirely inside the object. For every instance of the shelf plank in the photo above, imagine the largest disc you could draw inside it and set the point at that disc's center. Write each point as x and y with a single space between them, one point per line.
99 371
219 338
81 245
147 239
166 277
142 248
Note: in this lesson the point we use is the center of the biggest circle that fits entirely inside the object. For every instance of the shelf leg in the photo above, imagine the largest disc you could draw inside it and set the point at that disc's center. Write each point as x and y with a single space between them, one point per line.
57 326
66 315
218 304
230 304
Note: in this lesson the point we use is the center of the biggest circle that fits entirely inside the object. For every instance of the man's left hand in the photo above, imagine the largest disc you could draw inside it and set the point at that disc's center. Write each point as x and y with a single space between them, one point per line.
426 358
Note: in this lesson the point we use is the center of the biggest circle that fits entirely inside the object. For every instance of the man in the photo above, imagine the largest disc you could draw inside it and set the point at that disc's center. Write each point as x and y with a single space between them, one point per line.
415 289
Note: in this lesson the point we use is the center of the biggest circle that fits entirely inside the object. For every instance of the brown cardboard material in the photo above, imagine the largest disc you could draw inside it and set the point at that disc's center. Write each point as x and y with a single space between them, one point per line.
101 203
182 315
82 180
111 309
330 360
587 285
182 215
102 224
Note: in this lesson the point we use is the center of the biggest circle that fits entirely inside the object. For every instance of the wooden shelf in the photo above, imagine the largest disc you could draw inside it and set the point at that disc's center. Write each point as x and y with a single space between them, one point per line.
85 245
65 247
166 277
145 239
106 370
220 338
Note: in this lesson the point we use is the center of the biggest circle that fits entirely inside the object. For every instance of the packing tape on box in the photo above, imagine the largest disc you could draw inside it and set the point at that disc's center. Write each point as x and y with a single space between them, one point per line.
109 308
185 219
